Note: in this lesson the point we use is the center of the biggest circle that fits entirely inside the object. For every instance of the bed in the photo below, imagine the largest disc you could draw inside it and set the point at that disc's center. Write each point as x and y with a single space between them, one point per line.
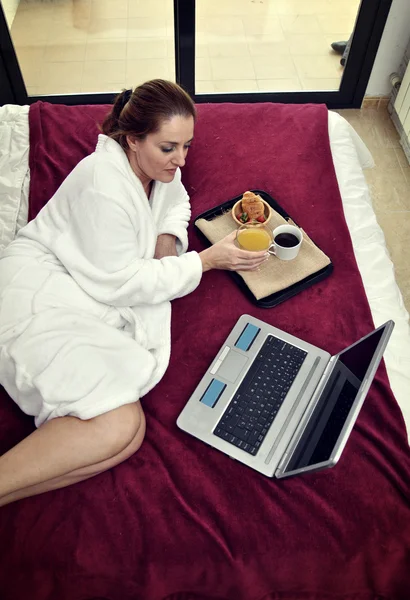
339 546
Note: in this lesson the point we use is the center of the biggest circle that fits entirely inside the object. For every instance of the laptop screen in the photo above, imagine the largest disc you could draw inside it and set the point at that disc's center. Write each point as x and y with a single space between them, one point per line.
322 432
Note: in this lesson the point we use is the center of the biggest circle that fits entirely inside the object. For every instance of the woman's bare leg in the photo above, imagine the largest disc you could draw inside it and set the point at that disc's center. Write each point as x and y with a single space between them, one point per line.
67 450
76 476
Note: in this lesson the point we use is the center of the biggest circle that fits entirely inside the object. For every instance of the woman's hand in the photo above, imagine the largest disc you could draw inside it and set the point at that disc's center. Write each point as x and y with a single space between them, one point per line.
226 255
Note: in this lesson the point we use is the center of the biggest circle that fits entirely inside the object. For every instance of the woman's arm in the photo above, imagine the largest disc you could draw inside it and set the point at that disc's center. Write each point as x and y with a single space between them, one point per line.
176 214
109 253
166 246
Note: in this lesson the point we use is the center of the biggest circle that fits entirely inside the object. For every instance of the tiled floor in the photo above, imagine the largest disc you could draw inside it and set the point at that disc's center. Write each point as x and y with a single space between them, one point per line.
71 46
389 184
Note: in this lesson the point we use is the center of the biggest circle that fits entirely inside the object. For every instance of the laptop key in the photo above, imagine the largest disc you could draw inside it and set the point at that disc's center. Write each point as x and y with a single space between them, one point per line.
225 435
253 437
239 433
246 434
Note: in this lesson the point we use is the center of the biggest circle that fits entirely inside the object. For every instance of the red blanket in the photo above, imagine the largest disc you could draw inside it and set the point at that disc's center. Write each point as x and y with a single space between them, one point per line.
179 520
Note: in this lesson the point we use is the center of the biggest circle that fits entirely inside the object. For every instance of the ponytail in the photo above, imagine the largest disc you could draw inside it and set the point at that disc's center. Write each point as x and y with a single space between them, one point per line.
111 123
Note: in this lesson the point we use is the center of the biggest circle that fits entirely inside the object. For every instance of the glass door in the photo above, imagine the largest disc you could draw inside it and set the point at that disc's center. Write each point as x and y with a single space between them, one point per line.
271 45
90 46
286 50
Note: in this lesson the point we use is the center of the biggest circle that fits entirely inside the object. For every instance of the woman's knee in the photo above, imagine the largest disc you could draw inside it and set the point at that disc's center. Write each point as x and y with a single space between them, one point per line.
122 429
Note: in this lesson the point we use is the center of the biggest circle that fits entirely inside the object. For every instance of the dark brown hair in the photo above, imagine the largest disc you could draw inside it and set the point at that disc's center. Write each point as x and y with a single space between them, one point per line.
142 111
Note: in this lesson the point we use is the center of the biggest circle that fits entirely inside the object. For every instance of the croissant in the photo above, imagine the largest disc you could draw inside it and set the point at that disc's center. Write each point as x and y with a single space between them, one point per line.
252 205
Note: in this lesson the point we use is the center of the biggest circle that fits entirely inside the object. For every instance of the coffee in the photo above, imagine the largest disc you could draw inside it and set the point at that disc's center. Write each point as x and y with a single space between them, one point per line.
286 240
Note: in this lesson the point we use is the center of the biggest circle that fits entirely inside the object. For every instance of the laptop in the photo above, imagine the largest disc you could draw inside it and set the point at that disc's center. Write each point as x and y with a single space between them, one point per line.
278 404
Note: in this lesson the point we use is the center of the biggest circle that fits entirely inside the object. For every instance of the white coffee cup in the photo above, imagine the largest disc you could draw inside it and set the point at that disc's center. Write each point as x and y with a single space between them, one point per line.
284 252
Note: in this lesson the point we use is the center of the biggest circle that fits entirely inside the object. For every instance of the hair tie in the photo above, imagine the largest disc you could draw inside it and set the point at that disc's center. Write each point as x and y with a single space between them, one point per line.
127 95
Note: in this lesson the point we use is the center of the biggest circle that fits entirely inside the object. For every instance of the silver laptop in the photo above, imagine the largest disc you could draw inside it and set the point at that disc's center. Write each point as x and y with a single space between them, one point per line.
278 404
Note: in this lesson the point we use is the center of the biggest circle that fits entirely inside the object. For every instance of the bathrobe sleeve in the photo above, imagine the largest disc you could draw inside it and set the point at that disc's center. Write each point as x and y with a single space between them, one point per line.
106 248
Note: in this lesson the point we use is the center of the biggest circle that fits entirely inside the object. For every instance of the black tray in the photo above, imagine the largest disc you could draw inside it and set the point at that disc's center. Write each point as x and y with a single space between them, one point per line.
277 297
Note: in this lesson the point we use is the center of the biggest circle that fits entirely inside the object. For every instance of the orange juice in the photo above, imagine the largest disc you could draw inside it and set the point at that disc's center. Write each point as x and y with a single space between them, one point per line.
254 239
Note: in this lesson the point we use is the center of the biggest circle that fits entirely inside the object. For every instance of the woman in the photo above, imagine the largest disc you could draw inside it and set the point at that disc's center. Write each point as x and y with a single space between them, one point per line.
85 294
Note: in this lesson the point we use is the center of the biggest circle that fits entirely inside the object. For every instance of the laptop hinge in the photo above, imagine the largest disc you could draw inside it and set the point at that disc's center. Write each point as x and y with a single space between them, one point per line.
287 455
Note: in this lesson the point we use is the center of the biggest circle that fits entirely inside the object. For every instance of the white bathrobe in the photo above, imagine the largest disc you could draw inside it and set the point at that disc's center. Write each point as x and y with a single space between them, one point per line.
84 307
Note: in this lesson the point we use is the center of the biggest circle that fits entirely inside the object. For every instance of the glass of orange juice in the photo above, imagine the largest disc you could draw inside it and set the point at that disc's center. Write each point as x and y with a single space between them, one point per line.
254 237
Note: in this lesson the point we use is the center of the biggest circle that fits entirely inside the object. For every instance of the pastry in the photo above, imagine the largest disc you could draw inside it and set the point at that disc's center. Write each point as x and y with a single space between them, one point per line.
253 206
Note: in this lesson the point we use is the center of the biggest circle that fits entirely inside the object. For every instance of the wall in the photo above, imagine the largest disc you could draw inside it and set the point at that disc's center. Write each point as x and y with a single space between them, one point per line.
391 50
10 9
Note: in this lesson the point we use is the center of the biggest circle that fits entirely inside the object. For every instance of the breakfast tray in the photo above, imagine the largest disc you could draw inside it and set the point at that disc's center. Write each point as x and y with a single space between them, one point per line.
282 295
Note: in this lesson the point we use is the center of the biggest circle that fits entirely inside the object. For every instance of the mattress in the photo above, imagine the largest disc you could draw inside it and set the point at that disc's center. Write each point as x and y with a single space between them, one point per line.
350 156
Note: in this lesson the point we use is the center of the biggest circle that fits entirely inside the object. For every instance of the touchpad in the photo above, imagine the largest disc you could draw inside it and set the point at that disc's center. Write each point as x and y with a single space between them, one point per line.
232 366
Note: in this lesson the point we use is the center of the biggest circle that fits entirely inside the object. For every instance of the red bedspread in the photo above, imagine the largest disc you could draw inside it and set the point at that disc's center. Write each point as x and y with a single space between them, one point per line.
179 520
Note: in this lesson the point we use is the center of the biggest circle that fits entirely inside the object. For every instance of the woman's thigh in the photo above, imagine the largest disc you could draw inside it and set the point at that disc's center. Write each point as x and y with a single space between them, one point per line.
124 426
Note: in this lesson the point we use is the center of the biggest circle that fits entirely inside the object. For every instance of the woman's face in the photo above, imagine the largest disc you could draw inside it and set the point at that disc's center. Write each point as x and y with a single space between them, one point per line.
160 154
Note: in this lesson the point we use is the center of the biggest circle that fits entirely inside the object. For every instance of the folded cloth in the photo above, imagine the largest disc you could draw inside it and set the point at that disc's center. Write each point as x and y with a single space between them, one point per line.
274 275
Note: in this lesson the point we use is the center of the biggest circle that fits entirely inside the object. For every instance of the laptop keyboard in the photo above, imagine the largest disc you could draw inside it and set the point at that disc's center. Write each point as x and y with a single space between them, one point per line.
258 399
